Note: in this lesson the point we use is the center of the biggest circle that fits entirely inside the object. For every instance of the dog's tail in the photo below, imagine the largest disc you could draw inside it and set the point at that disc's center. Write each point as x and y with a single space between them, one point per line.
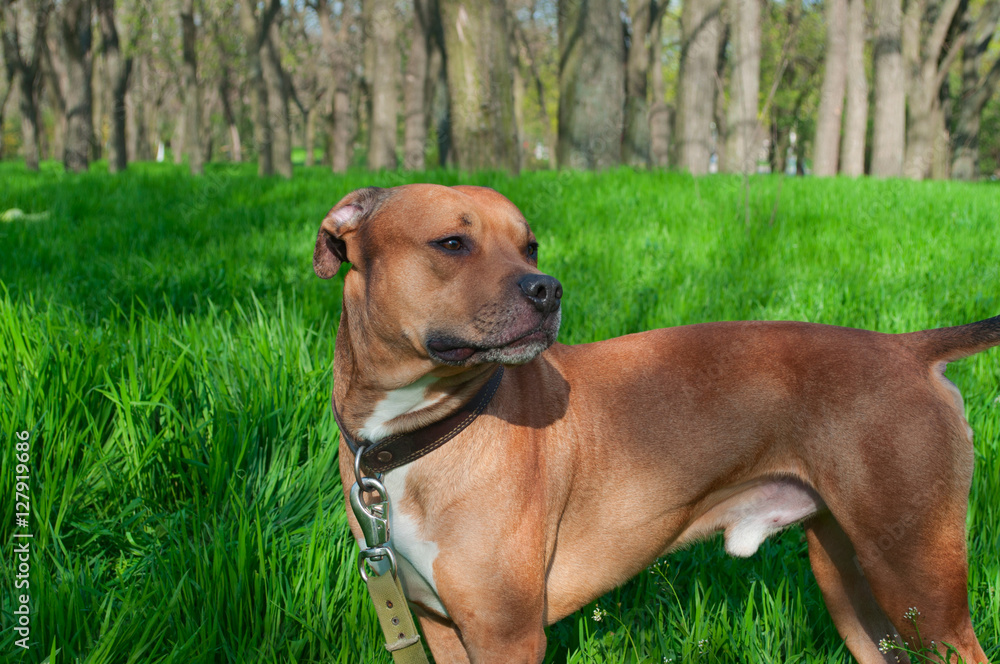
946 344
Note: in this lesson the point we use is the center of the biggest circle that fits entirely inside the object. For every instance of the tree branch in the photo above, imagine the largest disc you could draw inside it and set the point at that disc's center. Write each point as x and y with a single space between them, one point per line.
935 40
949 58
987 85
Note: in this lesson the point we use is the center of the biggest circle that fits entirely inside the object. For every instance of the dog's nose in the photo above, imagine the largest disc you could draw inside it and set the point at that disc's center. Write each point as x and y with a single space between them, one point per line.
543 291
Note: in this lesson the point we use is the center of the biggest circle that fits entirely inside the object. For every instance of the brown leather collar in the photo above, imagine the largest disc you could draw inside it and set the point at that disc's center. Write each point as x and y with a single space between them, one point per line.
402 448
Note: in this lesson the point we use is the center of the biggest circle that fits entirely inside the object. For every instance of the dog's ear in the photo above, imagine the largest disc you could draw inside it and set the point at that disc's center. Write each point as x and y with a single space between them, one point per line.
331 250
345 218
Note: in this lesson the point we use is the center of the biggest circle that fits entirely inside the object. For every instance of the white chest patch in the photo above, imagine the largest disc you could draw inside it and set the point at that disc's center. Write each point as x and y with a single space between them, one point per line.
414 554
395 403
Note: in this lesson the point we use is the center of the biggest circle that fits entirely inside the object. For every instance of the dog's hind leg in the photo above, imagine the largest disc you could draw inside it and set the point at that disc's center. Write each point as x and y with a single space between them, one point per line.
858 617
920 579
909 537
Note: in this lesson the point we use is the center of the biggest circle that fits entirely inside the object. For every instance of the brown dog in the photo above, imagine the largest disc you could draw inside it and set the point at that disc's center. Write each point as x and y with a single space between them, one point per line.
593 460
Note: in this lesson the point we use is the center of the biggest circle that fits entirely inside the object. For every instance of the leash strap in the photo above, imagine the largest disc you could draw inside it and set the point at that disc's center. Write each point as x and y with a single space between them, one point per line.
382 579
401 637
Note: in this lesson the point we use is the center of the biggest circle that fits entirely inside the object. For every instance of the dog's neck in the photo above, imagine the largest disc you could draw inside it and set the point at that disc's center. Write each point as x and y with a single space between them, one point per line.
377 395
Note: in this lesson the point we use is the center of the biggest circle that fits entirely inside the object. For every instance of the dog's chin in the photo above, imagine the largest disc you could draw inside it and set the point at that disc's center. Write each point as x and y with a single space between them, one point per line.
455 352
521 351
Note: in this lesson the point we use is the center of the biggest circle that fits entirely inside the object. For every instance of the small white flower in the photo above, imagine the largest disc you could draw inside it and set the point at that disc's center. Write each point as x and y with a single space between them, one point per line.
599 614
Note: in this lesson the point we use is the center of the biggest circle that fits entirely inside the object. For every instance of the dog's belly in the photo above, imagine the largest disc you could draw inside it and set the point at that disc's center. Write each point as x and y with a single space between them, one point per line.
749 515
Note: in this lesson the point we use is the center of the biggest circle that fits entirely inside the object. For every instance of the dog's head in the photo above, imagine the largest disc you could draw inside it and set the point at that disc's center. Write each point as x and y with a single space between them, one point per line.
449 274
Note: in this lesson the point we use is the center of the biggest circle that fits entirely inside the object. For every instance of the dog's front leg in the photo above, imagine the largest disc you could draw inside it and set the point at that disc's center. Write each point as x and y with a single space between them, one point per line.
493 638
443 638
491 628
448 647
493 586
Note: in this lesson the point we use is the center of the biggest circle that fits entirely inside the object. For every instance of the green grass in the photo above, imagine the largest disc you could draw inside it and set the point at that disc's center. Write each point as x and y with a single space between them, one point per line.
165 341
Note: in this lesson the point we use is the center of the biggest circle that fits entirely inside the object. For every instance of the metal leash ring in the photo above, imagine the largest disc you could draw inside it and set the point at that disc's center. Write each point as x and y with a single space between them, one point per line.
366 484
376 554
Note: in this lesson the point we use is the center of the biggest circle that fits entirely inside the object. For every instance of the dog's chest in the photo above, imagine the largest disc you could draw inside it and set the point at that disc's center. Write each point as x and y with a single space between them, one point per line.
415 554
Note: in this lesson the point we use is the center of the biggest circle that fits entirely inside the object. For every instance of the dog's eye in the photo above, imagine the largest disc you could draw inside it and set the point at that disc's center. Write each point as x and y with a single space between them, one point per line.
451 244
533 251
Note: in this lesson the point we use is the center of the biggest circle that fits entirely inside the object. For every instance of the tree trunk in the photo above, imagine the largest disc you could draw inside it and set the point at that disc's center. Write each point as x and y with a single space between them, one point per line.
55 83
3 111
256 29
77 45
659 112
208 109
342 132
591 83
177 139
890 91
154 114
780 142
927 61
137 131
543 111
309 134
192 95
414 90
743 128
965 165
441 112
98 78
920 131
278 96
419 88
118 70
518 91
941 150
235 145
224 90
27 87
635 146
335 43
261 119
10 72
831 98
852 152
719 140
976 90
327 119
382 75
481 84
5 97
23 65
701 31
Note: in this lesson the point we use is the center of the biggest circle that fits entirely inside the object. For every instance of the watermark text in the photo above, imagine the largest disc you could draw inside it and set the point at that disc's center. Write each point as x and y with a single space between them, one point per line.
22 538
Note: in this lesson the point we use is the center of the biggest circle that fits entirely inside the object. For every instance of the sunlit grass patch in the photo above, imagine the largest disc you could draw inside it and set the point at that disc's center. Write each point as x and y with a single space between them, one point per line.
165 342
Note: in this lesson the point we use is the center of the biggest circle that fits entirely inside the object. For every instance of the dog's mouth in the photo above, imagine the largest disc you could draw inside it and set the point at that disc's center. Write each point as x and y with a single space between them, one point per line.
522 348
444 350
